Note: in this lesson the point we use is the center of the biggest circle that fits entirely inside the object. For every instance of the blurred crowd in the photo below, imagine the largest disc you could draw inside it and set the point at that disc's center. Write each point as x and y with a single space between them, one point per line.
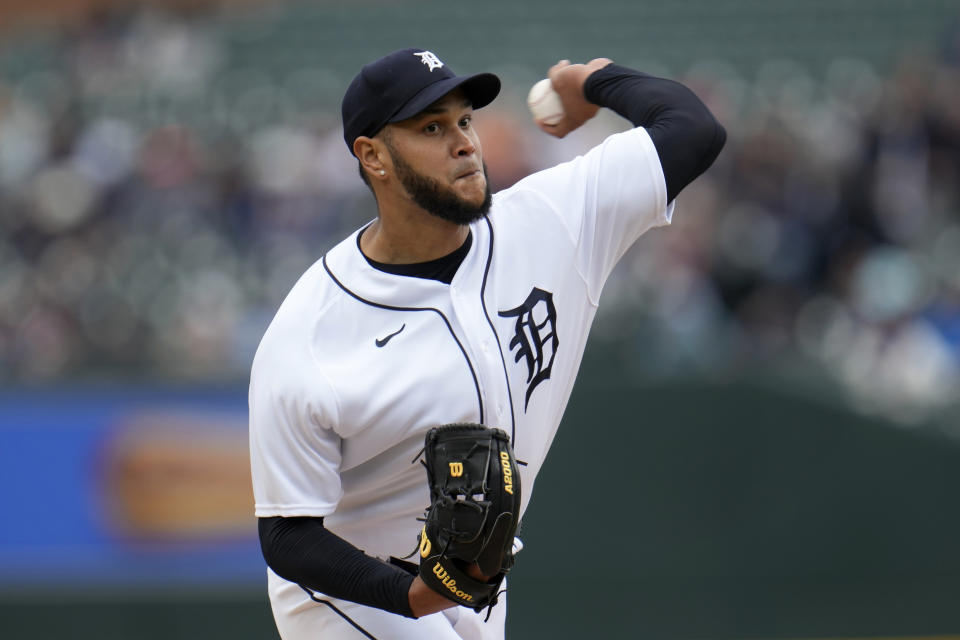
156 204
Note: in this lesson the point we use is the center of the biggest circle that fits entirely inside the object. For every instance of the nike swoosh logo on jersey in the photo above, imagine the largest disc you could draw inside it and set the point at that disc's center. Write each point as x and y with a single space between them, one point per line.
384 341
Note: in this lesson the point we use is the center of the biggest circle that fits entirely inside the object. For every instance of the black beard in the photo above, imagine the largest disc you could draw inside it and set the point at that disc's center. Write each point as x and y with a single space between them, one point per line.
437 200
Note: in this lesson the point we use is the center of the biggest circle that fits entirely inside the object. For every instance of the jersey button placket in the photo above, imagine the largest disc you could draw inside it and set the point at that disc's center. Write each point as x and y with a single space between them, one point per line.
461 312
472 317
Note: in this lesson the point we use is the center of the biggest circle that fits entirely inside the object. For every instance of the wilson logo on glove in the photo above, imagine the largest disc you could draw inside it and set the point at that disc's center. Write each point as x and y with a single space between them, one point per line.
451 584
456 469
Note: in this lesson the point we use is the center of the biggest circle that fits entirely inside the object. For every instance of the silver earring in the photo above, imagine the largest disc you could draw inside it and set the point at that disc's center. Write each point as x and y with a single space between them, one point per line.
382 172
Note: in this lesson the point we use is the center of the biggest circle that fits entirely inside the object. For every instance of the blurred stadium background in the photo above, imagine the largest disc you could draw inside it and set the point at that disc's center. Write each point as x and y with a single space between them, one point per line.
783 362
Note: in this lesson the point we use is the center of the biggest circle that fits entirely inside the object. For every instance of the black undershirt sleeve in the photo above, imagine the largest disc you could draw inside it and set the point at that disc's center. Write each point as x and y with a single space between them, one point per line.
687 136
302 550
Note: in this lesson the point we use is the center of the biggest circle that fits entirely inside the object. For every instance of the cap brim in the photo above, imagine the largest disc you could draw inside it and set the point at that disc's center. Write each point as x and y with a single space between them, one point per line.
481 89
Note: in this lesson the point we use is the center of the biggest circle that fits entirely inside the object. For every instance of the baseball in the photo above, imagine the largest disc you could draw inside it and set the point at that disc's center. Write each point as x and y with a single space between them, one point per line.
545 103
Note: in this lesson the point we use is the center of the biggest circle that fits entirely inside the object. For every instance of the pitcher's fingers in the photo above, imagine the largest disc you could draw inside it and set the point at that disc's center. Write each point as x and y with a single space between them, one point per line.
560 65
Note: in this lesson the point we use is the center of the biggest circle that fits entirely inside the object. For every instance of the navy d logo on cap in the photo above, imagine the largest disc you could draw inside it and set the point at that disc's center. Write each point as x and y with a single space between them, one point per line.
401 85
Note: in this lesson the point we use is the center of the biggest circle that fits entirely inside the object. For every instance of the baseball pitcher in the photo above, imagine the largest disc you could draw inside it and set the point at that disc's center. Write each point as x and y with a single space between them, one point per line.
406 394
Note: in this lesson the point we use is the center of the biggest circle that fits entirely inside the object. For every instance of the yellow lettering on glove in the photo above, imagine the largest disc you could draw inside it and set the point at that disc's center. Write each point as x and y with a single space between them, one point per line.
507 472
450 583
424 543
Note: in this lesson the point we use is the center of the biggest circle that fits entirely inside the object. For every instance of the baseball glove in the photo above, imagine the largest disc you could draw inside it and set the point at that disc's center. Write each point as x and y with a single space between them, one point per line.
474 512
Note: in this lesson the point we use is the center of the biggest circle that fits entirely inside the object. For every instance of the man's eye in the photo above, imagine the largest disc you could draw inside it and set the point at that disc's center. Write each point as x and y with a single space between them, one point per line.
433 127
466 121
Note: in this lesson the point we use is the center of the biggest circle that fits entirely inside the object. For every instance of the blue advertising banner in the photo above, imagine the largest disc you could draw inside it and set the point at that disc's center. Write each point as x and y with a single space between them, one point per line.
133 486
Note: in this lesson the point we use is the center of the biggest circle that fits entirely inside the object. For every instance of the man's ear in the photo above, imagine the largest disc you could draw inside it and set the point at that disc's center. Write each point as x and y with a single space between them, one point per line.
370 153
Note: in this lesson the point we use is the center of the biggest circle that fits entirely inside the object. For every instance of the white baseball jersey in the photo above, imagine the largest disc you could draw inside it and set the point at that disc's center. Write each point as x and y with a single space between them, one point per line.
359 363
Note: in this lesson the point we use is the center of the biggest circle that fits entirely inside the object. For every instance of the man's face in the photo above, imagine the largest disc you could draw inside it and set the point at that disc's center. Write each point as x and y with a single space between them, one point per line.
437 158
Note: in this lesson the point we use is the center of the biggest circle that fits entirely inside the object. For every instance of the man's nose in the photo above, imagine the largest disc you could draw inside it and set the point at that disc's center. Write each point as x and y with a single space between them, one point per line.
464 145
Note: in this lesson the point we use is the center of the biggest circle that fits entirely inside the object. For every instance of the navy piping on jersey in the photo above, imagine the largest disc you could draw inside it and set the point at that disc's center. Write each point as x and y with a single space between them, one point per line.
476 383
483 288
350 620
